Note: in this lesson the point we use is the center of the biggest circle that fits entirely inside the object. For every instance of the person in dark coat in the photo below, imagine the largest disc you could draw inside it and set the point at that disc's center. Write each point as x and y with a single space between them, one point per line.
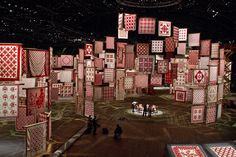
95 125
118 131
149 111
145 110
89 125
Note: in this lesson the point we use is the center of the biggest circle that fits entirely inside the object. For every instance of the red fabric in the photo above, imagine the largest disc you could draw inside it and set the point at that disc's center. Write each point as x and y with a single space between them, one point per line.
89 92
180 96
169 55
147 25
162 66
168 78
164 28
146 64
99 63
67 60
141 81
130 22
108 93
129 62
197 114
10 62
169 44
205 47
89 108
109 75
187 151
98 79
88 49
110 42
24 61
81 55
55 93
183 34
181 50
142 49
193 57
211 113
120 58
176 35
156 80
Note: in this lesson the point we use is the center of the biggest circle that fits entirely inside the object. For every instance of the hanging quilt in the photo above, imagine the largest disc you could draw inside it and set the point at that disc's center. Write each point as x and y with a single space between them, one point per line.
120 21
10 62
129 48
55 92
37 62
66 75
205 47
193 57
81 71
129 61
108 93
24 61
98 93
180 79
129 82
88 49
220 91
130 22
156 79
28 83
174 68
142 49
109 75
54 61
197 114
169 55
219 111
35 100
141 81
204 62
221 149
198 96
215 50
194 39
181 49
164 28
54 77
98 47
180 96
89 92
122 34
211 113
183 34
213 73
176 35
162 66
182 65
90 74
168 78
222 54
110 60
186 150
146 64
147 25
8 101
98 79
200 76
67 60
89 108
157 46
120 81
81 55
212 94
110 42
36 135
169 44
120 58
58 62
98 63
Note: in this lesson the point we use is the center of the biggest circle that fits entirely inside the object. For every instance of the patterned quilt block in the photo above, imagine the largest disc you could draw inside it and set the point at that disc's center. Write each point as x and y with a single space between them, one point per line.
108 93
164 28
98 79
203 62
181 79
183 34
194 39
24 61
213 73
146 64
162 66
197 114
129 60
89 92
88 108
110 60
10 55
98 63
141 81
65 75
169 44
182 64
89 73
9 101
220 91
147 25
120 55
109 75
156 80
212 94
174 70
211 113
176 35
98 48
129 82
129 48
215 50
193 57
168 78
88 49
157 46
198 96
205 47
130 22
181 49
221 149
180 96
123 34
120 20
200 76
186 150
67 60
219 110
110 42
142 49
55 92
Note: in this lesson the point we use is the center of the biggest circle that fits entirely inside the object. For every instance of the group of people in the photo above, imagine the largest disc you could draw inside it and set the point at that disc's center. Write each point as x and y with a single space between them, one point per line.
147 109
92 127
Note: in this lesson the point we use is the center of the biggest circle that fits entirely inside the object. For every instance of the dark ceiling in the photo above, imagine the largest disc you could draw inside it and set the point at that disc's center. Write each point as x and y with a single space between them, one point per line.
61 23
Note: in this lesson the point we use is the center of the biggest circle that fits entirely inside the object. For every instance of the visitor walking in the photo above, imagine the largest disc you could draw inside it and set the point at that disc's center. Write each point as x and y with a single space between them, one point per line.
118 131
149 111
145 110
134 105
95 125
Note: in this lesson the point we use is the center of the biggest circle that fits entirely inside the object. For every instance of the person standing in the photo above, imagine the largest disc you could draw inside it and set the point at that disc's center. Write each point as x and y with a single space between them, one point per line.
89 124
118 131
133 105
145 110
149 111
95 125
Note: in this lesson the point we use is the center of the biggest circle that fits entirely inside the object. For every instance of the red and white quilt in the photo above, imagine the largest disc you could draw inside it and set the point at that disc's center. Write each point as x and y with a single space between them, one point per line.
157 46
142 49
90 74
156 80
141 81
98 48
193 57
110 42
129 82
213 73
108 93
146 64
89 108
9 101
120 58
197 114
109 75
211 113
183 34
181 49
200 76
130 22
88 49
215 50
176 35
120 20
147 25
187 151
123 34
162 66
10 62
194 39
199 96
67 60
110 60
224 151
212 94
169 44
164 28
180 96
205 47
203 62
129 60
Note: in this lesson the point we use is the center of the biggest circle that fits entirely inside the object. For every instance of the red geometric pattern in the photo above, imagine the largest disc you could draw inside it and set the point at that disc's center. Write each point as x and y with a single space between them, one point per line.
164 28
120 58
147 25
36 138
110 42
180 96
24 61
22 119
168 78
88 49
35 100
157 46
141 81
120 20
205 47
54 77
200 76
130 22
67 60
169 44
183 34
108 93
176 35
98 79
110 60
8 101
194 39
211 113
90 74
129 48
146 64
109 75
197 114
213 73
58 62
162 66
89 92
180 79
55 92
174 68
98 48
142 49
193 57
215 50
46 117
224 151
67 89
129 82
10 62
89 108
212 94
181 49
198 96
182 65
156 80
204 62
187 151
99 63
129 62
